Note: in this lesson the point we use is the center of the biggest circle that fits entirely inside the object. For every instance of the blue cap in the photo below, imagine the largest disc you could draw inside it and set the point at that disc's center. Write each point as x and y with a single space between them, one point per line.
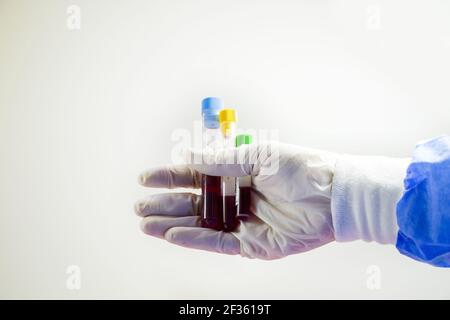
211 107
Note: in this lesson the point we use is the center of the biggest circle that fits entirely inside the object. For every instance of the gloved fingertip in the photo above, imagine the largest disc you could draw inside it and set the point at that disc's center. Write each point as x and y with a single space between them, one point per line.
154 177
143 178
138 208
143 226
150 226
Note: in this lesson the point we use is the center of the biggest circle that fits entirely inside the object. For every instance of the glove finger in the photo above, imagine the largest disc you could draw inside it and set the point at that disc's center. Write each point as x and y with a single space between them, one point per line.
176 176
169 204
157 226
233 162
204 239
254 159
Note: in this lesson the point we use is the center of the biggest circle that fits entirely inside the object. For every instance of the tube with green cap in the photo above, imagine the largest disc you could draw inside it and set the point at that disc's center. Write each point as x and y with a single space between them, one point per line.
243 185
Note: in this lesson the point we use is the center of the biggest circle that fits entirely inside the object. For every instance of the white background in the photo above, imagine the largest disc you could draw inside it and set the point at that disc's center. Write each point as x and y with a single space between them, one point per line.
83 112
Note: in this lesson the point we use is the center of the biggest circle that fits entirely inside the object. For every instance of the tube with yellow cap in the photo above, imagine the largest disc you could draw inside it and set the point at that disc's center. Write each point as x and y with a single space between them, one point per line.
227 119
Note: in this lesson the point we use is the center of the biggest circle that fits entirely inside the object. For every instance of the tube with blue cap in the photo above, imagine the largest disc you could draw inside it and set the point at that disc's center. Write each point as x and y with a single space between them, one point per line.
211 185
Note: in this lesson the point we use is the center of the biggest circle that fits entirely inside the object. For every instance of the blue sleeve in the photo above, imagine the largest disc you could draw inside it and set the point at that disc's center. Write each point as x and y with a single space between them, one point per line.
423 212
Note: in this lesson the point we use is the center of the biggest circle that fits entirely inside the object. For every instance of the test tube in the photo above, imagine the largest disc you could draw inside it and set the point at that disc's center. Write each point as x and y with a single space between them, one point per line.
243 185
227 118
211 208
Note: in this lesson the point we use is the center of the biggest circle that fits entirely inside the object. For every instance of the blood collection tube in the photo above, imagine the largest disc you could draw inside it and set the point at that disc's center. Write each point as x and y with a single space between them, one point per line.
243 185
211 208
227 118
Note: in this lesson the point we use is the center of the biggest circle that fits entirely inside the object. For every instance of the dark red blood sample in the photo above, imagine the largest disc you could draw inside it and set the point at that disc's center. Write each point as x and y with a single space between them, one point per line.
243 211
211 202
230 221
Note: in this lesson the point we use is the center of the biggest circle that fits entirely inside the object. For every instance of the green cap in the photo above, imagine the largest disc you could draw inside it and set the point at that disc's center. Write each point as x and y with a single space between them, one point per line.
243 139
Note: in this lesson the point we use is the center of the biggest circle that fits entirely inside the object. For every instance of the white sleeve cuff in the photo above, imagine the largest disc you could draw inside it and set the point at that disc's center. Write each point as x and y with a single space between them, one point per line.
365 192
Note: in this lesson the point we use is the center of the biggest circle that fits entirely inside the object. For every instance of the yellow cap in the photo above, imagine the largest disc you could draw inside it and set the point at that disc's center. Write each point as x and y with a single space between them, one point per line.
226 118
227 115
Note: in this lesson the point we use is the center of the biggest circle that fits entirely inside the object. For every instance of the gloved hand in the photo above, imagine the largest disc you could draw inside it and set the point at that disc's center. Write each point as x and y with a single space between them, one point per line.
311 199
291 201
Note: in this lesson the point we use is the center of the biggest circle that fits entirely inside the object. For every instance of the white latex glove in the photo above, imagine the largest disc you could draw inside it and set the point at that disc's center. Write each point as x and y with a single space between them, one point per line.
291 207
365 193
